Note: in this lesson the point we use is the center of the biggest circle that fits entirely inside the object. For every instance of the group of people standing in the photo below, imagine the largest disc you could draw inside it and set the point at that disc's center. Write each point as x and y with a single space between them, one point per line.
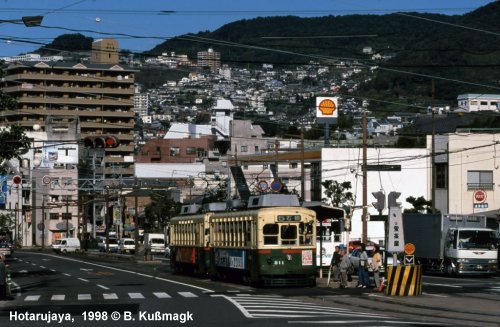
342 267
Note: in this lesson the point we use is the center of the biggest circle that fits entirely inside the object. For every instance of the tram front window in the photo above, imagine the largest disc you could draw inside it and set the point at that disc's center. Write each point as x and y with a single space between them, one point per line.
270 232
288 234
306 233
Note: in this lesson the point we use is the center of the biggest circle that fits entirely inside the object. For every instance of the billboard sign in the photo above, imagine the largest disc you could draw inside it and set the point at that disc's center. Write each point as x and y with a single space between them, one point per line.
327 110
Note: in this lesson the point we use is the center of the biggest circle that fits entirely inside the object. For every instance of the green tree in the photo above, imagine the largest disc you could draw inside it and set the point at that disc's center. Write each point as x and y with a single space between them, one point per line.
420 205
14 143
338 194
159 211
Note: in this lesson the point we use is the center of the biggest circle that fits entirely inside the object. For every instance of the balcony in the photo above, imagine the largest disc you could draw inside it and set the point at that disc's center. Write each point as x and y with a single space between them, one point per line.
480 186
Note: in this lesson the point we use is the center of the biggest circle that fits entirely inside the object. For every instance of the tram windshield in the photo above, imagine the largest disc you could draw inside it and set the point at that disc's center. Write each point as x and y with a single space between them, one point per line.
288 234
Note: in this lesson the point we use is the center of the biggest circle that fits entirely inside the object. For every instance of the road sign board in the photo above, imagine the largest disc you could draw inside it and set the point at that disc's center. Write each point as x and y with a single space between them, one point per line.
409 260
409 248
479 196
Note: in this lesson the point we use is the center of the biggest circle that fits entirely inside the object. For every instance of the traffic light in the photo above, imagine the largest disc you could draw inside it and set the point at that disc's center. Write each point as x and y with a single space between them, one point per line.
392 199
103 141
380 204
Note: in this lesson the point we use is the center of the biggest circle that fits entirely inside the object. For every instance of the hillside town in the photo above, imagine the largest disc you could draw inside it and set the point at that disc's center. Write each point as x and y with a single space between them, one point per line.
189 138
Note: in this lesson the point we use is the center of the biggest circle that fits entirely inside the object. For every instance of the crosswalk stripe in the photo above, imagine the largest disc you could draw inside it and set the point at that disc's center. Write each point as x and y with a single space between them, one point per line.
32 298
161 295
110 296
136 295
58 297
187 294
84 297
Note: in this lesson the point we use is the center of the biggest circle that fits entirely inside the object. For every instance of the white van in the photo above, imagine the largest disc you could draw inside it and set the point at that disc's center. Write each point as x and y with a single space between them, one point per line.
66 245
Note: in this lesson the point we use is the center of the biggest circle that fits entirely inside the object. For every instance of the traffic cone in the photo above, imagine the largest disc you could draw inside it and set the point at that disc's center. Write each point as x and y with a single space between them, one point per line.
382 284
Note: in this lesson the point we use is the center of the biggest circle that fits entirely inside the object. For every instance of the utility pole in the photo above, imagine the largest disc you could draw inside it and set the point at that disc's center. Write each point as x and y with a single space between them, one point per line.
302 170
433 163
67 216
43 222
364 236
136 217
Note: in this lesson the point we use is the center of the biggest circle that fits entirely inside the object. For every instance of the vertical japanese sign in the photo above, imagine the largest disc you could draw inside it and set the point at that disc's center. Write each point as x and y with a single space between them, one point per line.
395 241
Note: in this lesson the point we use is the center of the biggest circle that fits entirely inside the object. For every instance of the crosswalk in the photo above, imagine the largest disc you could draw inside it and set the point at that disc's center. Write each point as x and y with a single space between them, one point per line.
275 306
105 296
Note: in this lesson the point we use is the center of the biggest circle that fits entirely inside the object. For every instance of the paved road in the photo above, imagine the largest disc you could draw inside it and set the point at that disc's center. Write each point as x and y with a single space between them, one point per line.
88 291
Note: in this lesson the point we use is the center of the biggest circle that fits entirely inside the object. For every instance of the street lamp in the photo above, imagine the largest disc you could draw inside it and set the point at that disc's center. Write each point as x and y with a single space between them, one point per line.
28 21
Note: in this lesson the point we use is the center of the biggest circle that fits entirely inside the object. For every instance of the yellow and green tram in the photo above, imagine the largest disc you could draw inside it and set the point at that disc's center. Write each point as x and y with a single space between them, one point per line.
270 246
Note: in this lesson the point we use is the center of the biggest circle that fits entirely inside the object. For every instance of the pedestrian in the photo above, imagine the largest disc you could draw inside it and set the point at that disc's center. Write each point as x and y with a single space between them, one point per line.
3 278
334 264
363 277
376 264
345 266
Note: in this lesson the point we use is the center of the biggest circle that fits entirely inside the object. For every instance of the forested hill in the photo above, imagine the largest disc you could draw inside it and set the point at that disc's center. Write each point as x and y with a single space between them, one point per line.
461 47
430 51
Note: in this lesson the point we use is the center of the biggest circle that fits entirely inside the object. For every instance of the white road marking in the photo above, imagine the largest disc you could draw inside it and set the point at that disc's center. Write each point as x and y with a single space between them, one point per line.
136 295
83 280
58 297
436 295
23 271
65 274
103 287
84 297
127 271
161 295
53 270
32 298
43 267
33 264
444 285
110 296
187 294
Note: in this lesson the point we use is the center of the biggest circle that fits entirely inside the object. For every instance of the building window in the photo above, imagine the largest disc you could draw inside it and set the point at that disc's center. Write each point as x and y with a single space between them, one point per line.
244 148
190 150
480 179
256 149
442 175
54 216
265 166
66 198
484 103
293 165
66 216
174 152
245 167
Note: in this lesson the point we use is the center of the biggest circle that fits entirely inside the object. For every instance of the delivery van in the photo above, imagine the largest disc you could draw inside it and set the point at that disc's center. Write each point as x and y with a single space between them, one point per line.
66 245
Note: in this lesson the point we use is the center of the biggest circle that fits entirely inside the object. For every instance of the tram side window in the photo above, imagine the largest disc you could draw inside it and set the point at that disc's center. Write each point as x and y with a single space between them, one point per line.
288 234
270 232
305 233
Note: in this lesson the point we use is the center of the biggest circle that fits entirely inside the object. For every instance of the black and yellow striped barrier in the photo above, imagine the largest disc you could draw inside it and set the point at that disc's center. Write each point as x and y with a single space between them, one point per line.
404 281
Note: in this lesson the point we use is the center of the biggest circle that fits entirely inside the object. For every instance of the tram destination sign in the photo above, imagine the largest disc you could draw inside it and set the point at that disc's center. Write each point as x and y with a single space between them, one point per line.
284 218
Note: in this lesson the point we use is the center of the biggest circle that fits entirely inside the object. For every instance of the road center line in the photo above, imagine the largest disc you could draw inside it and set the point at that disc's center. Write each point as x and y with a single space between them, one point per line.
128 272
83 280
103 287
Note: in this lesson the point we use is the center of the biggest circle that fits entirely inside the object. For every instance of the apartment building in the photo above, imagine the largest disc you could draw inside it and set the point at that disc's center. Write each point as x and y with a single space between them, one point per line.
209 59
101 95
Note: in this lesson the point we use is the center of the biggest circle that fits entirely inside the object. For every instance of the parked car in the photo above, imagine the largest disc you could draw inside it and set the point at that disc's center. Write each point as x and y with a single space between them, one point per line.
5 249
112 244
126 245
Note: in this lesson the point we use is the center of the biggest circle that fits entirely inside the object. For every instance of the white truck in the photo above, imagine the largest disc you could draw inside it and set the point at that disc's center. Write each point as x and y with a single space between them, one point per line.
154 242
453 244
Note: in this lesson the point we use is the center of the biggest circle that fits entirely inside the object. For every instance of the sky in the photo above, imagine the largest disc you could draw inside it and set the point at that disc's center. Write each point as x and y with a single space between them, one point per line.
150 22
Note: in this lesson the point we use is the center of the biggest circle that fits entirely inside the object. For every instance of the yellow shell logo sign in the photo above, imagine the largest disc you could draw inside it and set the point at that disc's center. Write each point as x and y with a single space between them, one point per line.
327 107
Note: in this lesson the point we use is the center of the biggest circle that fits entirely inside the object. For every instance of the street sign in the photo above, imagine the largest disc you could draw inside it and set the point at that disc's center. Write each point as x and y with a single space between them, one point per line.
479 196
262 186
276 186
46 179
395 240
409 248
409 260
